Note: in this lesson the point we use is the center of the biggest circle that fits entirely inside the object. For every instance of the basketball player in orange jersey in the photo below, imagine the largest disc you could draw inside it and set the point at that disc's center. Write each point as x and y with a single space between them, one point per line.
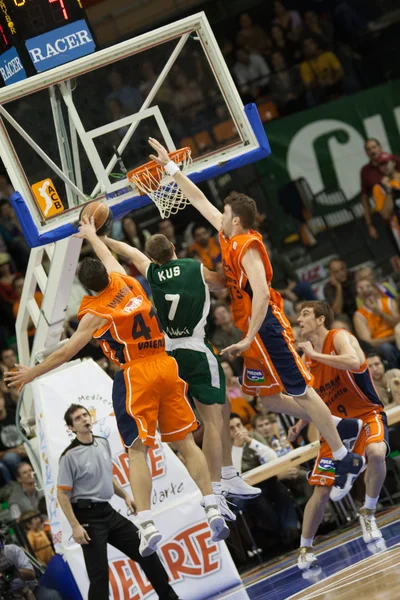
147 389
343 380
271 364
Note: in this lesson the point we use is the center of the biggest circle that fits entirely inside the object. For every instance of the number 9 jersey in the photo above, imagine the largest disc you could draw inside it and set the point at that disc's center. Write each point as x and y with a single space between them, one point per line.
132 330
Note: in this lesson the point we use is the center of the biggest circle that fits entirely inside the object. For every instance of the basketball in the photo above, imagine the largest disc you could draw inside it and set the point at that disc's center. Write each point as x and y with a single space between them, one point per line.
101 214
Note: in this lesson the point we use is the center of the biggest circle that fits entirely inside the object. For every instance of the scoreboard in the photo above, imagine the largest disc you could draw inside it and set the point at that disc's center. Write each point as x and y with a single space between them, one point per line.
37 35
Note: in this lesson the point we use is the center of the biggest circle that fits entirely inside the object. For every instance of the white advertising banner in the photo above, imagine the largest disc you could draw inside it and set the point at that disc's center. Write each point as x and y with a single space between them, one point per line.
187 551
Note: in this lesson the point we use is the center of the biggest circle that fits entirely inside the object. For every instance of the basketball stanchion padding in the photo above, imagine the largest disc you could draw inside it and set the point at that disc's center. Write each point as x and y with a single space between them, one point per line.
151 180
101 214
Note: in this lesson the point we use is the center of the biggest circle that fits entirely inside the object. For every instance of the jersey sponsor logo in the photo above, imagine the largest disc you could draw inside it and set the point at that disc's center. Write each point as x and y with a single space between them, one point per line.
255 375
176 331
326 465
47 197
169 273
133 304
152 344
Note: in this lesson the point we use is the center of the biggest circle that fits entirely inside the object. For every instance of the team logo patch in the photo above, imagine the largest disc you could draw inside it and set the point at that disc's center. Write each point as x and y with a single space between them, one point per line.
326 465
133 304
255 375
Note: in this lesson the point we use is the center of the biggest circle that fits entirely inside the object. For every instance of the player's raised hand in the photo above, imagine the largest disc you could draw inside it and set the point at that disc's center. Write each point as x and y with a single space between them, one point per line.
237 349
162 157
87 229
19 378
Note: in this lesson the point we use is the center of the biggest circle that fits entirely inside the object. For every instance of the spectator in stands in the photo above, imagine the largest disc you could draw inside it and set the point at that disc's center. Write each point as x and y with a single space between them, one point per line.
289 20
226 333
25 496
188 99
5 188
274 510
252 74
322 30
129 96
18 285
8 359
322 73
133 235
167 228
285 279
340 290
12 450
289 50
252 37
387 383
239 404
385 288
286 85
370 175
205 247
11 231
148 78
386 194
375 320
26 583
37 537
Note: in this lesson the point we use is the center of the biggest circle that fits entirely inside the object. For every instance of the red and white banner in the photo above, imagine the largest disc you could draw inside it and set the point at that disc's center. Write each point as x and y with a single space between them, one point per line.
187 551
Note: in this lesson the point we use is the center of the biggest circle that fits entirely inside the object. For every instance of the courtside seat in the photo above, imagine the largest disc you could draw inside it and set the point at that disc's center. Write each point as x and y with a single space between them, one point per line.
203 141
268 111
225 132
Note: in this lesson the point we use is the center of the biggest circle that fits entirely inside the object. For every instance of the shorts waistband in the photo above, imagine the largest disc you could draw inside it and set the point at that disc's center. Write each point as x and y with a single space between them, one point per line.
135 361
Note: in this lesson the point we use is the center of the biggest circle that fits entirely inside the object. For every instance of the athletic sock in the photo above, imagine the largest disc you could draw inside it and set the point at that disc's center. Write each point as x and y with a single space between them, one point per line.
228 472
144 516
209 500
306 542
336 420
370 503
340 454
217 488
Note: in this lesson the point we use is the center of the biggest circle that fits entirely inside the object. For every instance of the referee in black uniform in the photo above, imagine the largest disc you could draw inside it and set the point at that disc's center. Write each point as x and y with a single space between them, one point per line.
85 486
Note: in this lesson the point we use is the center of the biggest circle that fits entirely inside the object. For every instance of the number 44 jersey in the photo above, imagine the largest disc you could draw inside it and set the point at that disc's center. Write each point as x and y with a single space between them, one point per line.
181 297
132 330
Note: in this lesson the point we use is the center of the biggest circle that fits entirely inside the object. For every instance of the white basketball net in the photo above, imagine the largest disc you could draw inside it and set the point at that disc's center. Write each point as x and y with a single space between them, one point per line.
162 188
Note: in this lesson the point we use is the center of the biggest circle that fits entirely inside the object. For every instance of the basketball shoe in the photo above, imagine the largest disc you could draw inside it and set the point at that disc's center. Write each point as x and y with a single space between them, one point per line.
149 538
238 488
216 521
347 471
306 559
369 528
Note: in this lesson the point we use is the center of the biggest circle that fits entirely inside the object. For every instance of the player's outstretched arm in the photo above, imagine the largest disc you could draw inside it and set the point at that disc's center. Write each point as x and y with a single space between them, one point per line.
82 336
349 354
87 231
214 280
139 259
255 271
191 191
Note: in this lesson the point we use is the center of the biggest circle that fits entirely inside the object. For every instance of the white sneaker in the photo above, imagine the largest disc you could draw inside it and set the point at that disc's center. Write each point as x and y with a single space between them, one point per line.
149 538
306 559
224 508
219 528
369 528
238 488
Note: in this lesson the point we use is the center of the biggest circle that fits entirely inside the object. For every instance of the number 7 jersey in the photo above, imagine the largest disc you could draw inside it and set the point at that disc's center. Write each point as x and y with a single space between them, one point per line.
132 331
181 296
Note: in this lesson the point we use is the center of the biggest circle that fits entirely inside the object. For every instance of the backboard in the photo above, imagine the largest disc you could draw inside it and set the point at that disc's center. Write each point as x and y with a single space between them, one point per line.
70 135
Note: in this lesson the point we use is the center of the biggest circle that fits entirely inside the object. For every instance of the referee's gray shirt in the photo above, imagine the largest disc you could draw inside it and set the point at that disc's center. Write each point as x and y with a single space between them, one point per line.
85 470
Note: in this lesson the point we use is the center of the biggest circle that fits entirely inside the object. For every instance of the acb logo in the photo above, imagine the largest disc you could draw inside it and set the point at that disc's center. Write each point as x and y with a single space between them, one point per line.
47 197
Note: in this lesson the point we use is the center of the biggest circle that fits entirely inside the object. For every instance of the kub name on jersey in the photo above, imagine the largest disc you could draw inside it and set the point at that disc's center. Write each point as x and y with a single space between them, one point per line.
169 273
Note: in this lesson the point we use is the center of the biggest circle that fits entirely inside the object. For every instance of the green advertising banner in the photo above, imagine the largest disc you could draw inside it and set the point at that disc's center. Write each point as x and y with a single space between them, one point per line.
325 145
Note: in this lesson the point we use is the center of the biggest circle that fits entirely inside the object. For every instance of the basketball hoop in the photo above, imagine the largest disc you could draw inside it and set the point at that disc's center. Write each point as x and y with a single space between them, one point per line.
151 180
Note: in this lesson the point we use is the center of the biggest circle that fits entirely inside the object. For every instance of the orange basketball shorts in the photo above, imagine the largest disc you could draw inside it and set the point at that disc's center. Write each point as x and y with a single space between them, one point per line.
271 364
149 391
374 430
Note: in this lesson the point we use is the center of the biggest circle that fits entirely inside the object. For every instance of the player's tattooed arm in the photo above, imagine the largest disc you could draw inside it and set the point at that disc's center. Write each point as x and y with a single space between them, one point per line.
191 191
139 259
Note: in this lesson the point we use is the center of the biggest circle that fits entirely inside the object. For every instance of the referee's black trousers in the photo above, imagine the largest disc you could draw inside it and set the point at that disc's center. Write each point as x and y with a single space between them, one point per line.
106 526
